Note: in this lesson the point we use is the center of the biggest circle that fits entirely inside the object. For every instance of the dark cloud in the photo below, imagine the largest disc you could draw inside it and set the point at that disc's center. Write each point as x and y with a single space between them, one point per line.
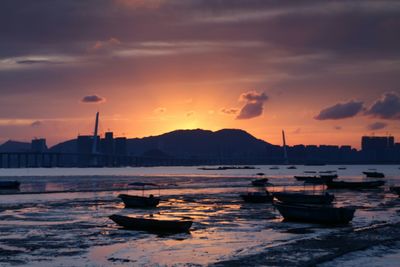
377 126
387 107
229 111
340 111
338 128
31 61
93 99
36 124
254 105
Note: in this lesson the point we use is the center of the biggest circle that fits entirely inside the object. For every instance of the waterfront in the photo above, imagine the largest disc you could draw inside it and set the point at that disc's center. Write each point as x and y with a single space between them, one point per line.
60 216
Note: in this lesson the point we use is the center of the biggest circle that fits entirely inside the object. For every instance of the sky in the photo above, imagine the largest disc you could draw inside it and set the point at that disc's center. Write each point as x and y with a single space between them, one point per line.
327 72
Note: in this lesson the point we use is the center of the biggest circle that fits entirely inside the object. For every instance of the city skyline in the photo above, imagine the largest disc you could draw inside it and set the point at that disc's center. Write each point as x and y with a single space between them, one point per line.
326 72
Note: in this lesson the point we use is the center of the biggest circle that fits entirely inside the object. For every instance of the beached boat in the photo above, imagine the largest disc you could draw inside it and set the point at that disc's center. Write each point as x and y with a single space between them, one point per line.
260 182
9 184
151 224
374 174
257 197
302 198
131 201
315 213
354 185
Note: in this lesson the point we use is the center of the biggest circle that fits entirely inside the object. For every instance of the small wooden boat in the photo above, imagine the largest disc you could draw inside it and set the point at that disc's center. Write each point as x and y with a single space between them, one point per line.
354 185
302 198
257 197
131 201
374 174
315 213
395 189
9 184
151 224
260 182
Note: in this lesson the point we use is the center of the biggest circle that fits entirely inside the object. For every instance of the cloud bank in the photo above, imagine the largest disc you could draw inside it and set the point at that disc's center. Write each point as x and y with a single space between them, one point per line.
340 111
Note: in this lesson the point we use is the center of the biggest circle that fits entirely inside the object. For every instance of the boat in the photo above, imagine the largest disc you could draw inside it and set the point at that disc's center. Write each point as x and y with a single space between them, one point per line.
328 176
223 168
302 198
9 184
374 174
354 185
274 168
314 179
291 168
257 197
342 168
322 214
151 224
260 182
131 201
395 189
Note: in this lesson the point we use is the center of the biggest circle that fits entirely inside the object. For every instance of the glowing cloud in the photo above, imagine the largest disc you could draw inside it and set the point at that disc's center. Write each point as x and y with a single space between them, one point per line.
340 111
387 107
254 105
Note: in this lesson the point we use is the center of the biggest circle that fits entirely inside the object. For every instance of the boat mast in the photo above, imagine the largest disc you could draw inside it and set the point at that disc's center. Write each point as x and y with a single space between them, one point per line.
96 126
285 156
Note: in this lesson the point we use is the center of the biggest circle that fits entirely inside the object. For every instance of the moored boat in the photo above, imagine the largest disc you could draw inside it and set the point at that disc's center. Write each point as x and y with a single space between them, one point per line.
9 184
395 189
151 224
314 179
260 182
257 197
131 201
315 213
354 185
374 174
302 198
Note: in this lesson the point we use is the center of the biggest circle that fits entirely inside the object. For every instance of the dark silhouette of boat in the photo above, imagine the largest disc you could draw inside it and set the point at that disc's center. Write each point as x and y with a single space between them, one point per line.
274 168
151 224
223 168
257 197
395 189
322 179
374 174
354 185
260 182
322 214
302 198
9 184
131 201
291 168
328 176
342 168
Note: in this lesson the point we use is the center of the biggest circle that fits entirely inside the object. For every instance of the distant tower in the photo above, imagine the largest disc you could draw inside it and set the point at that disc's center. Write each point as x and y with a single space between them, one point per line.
96 126
285 156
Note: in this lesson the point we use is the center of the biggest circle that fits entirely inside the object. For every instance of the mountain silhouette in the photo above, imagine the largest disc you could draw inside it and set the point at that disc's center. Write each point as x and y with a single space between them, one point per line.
198 143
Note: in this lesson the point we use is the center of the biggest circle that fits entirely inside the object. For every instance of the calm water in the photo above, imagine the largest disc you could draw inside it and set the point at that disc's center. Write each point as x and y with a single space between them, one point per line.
60 216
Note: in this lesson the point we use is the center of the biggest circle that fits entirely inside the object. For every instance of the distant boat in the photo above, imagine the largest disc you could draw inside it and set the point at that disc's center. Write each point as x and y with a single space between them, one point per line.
257 197
9 184
274 168
223 168
315 213
152 225
354 185
291 168
395 189
260 174
328 176
310 172
342 168
302 198
327 171
374 174
260 182
314 179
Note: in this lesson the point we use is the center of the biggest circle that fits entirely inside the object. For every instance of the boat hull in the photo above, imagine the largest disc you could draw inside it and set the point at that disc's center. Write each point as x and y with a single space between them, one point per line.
139 202
374 174
315 214
304 198
152 225
354 185
9 184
